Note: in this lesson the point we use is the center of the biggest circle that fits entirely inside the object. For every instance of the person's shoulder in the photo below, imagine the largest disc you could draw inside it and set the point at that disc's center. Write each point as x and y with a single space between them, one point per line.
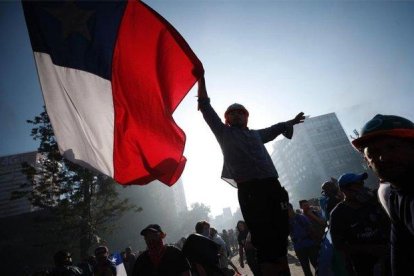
340 208
401 199
218 239
143 255
406 193
67 270
333 200
174 253
172 248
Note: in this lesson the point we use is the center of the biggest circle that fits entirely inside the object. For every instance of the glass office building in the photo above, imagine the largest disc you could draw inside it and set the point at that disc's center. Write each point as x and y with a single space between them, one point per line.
319 150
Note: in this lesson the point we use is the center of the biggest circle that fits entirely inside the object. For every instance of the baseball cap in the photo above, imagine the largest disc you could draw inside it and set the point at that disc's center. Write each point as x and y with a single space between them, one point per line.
384 125
349 178
151 228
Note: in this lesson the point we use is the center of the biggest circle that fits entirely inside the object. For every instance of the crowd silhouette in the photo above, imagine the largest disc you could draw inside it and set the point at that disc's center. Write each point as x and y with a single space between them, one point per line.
350 230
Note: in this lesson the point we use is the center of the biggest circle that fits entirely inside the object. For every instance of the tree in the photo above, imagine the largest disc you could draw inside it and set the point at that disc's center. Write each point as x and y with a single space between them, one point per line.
84 203
189 218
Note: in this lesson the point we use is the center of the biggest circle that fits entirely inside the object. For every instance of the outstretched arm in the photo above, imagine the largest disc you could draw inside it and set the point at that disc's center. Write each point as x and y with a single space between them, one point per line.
300 118
286 128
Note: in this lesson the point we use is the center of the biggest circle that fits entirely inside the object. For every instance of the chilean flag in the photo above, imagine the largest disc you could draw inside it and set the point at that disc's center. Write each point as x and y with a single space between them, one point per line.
112 73
116 259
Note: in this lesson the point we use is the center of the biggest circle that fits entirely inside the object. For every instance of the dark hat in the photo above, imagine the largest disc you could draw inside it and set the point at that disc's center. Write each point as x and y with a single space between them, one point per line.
151 228
384 125
101 249
349 178
328 185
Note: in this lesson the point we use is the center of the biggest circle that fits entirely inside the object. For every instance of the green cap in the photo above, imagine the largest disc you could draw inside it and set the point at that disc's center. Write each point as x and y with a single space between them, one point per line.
384 125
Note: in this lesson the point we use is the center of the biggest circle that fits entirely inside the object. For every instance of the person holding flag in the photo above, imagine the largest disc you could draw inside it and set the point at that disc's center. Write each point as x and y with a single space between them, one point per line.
248 166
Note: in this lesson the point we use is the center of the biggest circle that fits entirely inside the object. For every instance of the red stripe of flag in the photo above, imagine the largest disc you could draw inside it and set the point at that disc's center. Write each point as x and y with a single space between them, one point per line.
152 71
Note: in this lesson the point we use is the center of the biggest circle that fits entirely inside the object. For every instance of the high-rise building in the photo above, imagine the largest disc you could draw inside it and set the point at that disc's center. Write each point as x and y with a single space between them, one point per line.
226 220
319 150
160 204
179 196
227 212
11 178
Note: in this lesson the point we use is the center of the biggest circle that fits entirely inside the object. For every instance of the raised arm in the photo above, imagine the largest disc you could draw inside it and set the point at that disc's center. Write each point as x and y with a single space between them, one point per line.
210 116
202 91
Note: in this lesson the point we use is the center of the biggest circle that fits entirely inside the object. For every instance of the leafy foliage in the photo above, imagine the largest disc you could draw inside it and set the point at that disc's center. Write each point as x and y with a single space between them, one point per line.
197 212
82 201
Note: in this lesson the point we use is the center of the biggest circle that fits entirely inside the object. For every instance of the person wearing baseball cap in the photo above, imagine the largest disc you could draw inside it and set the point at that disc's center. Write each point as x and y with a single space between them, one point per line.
152 228
160 259
348 179
359 226
249 167
387 143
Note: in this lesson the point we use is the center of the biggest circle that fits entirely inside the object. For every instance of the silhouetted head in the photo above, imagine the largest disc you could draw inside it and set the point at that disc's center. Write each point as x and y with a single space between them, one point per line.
203 228
304 204
236 115
352 186
101 253
387 142
62 258
213 231
329 188
153 236
241 226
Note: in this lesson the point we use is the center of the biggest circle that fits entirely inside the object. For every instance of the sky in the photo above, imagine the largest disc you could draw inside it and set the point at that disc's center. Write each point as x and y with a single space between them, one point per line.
277 58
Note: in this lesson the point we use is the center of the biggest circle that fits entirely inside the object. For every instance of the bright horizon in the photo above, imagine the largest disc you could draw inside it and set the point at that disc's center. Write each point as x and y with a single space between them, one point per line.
275 57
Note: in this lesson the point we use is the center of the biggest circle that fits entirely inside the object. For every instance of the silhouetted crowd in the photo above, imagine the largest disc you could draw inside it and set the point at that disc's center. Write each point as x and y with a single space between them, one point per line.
350 230
205 252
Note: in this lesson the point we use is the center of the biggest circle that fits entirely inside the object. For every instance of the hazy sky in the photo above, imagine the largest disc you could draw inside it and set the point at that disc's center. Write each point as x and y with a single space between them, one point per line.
355 58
